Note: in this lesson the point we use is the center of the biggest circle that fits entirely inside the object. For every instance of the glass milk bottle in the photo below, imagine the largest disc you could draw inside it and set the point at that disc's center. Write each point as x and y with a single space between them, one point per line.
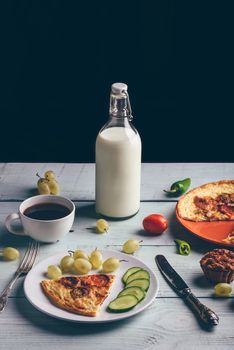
118 159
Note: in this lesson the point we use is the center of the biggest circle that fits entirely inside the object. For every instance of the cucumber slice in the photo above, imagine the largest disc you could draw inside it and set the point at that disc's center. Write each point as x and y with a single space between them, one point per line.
141 282
139 274
129 272
138 292
123 303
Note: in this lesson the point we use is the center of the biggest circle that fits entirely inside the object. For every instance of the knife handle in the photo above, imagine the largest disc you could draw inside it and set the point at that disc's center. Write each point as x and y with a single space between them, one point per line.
206 314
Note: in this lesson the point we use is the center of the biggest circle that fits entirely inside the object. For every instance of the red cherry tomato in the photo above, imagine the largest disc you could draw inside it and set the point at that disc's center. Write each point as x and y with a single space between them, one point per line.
155 224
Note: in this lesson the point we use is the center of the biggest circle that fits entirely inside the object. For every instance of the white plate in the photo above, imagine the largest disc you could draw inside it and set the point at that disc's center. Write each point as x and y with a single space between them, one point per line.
37 298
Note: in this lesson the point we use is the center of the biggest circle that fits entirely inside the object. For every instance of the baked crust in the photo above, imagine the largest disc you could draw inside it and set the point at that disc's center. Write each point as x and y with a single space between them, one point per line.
82 295
187 209
218 260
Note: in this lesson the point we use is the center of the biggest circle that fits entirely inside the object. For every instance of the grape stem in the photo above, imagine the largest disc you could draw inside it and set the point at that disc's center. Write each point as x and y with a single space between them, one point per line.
70 252
38 176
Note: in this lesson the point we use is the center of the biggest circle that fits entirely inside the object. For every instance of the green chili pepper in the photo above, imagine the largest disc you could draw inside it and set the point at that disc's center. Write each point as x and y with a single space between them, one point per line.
179 187
183 247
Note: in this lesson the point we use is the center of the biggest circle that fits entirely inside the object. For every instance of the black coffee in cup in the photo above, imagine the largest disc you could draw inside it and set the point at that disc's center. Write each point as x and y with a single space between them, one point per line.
46 211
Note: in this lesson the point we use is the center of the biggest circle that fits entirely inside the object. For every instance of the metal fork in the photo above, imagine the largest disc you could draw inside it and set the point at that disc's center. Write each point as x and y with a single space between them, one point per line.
24 267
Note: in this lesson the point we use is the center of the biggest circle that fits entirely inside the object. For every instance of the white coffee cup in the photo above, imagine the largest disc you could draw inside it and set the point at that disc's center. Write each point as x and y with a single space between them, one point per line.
42 230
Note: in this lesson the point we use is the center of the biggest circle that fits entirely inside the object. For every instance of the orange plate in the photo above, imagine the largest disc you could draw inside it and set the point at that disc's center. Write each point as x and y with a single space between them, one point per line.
214 231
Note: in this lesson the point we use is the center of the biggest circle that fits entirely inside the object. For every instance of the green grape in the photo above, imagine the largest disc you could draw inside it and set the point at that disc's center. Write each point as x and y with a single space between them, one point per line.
96 259
54 187
222 289
50 175
66 263
102 226
110 265
42 186
10 253
131 246
80 254
54 272
82 266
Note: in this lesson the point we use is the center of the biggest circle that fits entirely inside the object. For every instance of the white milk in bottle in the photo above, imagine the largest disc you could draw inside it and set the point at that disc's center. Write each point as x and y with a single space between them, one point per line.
118 160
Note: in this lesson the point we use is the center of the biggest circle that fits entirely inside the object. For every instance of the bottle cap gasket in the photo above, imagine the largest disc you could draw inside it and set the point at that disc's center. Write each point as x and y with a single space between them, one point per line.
119 88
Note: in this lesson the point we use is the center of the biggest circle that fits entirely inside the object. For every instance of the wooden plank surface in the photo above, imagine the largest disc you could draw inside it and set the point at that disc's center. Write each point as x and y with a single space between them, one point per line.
167 324
184 265
119 232
77 181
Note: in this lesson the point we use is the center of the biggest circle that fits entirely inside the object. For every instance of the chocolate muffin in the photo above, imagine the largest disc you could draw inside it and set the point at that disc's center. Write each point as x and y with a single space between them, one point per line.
218 265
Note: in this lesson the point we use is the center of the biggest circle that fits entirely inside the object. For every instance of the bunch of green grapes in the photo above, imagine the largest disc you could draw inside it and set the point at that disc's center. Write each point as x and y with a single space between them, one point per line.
48 184
78 262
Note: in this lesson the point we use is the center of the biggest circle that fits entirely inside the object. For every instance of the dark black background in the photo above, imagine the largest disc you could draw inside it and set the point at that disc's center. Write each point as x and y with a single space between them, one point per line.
59 59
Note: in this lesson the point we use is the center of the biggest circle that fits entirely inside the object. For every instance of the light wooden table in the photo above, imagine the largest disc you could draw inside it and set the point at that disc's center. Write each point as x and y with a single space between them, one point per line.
167 323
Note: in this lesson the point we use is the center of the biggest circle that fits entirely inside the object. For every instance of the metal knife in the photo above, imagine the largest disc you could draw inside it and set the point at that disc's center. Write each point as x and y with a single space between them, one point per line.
179 285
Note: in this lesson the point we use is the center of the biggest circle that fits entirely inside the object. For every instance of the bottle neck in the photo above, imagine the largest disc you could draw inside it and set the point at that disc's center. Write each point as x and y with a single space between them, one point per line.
120 106
120 112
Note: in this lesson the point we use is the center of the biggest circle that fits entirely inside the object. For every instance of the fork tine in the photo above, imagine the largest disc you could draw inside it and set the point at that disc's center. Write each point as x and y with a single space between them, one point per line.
25 257
33 257
29 257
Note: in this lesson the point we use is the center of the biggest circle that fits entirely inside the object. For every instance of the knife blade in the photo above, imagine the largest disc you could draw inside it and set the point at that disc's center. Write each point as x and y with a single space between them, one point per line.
180 286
